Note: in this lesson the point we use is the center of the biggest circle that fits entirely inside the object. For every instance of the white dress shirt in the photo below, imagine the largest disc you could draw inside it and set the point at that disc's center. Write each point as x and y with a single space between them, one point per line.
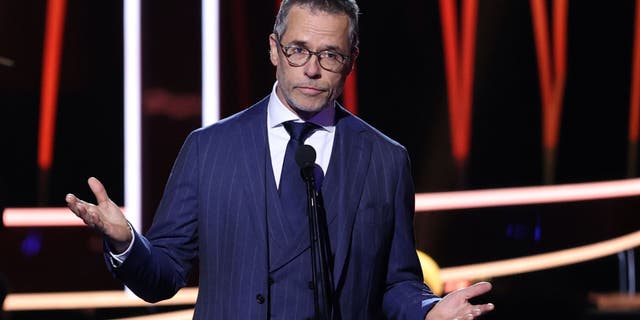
321 139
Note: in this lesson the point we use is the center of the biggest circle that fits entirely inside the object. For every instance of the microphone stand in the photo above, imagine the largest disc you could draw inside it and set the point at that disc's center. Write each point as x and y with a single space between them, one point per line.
322 279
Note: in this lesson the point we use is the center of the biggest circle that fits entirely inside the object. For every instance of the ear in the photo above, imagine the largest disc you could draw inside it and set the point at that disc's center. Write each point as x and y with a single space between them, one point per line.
273 49
352 60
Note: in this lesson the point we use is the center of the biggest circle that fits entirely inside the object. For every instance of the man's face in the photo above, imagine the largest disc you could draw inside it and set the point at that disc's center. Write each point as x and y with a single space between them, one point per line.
309 88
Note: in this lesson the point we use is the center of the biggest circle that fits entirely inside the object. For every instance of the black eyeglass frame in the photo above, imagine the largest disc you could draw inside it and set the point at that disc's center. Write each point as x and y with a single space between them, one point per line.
310 53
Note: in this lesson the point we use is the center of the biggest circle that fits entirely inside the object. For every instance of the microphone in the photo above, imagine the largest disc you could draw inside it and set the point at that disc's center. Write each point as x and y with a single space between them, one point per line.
306 158
319 238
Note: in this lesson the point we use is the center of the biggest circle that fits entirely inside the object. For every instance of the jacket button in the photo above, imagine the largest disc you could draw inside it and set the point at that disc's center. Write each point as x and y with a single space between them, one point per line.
310 285
270 281
260 299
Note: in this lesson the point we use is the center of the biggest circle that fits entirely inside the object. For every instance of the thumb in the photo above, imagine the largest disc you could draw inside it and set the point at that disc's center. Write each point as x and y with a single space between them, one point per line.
98 190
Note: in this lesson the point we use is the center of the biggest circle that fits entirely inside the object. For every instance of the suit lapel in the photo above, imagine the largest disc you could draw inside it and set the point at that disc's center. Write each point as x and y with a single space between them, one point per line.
253 143
344 183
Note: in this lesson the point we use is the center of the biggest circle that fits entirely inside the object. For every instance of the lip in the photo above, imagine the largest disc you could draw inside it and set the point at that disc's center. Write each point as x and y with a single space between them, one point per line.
310 90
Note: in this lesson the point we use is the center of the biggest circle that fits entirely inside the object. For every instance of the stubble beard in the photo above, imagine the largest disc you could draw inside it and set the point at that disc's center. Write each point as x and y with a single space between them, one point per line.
305 111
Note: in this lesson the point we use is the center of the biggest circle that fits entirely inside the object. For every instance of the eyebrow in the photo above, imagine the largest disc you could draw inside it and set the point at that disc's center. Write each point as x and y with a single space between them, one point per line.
304 45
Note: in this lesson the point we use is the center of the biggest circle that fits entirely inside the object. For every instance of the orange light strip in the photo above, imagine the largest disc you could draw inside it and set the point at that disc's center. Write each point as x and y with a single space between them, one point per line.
91 299
541 261
40 217
552 80
170 315
479 271
526 195
459 70
424 202
50 77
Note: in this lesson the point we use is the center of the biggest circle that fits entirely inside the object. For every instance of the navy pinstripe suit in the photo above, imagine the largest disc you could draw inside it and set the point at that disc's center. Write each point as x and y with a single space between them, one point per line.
214 208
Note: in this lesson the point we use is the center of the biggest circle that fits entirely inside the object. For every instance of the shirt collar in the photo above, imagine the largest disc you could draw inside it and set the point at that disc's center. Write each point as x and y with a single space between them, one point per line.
278 113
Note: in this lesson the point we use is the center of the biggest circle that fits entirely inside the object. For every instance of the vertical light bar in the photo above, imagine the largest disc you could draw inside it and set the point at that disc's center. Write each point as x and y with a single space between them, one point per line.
210 62
132 145
350 94
459 53
52 54
51 57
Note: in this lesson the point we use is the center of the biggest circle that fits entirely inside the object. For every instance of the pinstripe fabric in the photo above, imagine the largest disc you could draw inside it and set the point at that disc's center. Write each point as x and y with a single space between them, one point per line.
214 211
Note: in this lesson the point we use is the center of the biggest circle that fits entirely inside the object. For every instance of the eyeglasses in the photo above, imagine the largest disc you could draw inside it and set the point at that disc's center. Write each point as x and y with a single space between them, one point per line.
329 60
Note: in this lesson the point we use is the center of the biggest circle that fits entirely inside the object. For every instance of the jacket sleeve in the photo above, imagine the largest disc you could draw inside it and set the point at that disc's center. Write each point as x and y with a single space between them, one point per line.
406 295
160 261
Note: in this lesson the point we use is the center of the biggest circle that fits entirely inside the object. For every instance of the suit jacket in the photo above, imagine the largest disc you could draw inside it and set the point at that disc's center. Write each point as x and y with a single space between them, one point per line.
213 211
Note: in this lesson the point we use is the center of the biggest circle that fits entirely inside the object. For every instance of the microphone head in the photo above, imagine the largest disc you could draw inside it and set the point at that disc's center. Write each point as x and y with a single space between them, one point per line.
305 156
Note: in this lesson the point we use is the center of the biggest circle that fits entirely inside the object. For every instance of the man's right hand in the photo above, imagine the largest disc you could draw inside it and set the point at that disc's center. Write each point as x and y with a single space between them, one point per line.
105 216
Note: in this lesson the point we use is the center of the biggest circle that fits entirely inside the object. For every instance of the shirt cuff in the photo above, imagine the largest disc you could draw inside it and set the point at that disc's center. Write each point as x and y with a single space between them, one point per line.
118 259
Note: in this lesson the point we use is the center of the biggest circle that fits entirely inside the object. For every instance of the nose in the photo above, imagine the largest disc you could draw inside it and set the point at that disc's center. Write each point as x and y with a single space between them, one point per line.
312 68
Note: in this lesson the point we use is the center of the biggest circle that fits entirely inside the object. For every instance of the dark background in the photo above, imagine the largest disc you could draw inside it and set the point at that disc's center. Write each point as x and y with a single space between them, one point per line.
401 91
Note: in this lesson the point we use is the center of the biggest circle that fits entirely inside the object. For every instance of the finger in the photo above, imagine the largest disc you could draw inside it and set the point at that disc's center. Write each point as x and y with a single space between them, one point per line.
79 207
485 307
85 211
82 210
73 203
477 289
98 190
90 214
481 309
70 199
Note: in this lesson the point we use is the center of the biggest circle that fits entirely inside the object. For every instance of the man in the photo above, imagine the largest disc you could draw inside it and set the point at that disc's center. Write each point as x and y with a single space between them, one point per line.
222 201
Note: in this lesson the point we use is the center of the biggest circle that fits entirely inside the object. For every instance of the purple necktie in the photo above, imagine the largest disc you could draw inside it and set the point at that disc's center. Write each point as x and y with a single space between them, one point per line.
292 188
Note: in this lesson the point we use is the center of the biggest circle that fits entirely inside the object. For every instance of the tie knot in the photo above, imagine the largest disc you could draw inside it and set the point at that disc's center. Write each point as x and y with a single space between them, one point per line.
299 131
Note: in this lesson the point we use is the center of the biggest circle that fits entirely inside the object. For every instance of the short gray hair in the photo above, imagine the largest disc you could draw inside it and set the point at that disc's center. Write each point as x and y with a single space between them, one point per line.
348 7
